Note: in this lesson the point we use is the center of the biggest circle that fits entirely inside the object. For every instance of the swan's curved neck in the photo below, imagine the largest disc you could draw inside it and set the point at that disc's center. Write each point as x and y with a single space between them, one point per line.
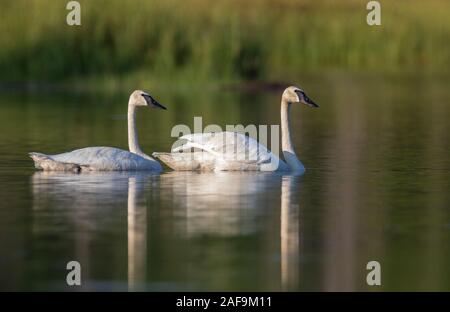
133 143
286 140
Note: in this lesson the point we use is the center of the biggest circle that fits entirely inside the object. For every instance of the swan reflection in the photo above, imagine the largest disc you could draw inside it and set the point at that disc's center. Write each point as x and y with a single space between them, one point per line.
238 204
185 209
221 203
91 202
137 235
290 234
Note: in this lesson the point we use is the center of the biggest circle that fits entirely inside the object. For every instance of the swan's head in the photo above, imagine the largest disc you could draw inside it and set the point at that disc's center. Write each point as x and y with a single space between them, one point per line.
142 98
296 95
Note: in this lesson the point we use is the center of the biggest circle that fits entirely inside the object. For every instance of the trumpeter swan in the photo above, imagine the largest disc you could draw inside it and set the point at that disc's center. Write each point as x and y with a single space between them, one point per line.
106 158
232 151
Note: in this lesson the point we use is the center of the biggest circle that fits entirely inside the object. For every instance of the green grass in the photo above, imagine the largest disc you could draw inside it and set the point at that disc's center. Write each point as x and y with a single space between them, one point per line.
218 40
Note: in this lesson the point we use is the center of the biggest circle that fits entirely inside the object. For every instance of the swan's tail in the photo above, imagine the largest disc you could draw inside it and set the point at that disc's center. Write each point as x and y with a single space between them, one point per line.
46 163
186 161
168 159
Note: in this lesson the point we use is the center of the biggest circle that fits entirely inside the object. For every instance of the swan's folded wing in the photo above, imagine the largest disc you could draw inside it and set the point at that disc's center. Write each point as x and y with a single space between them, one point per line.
91 155
230 146
106 158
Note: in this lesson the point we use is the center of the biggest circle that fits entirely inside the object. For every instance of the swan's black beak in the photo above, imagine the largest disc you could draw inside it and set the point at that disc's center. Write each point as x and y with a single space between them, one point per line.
310 102
151 102
303 98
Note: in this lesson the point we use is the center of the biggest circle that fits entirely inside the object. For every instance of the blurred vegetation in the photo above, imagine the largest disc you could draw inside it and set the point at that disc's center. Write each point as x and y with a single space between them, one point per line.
224 40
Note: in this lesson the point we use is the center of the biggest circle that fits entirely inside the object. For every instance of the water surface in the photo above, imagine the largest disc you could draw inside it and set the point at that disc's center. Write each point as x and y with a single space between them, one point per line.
376 188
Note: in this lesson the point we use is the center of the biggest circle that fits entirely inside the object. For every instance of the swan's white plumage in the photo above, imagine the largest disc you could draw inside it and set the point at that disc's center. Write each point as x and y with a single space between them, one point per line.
228 145
107 159
225 151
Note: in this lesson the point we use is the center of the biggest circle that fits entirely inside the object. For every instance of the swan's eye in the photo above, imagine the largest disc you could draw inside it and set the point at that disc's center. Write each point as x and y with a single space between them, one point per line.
147 97
151 101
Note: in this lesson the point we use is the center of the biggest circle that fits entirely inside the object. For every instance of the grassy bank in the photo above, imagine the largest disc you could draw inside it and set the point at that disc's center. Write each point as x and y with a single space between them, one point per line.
201 40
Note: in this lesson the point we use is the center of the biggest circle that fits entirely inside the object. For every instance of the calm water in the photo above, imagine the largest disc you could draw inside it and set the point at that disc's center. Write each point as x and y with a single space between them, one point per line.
376 188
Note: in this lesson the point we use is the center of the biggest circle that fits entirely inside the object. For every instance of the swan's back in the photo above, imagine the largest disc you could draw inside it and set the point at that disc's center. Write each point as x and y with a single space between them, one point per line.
228 151
105 159
230 146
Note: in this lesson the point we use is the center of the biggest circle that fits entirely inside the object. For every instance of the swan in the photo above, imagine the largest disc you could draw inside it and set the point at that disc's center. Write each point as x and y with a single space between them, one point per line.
232 151
106 158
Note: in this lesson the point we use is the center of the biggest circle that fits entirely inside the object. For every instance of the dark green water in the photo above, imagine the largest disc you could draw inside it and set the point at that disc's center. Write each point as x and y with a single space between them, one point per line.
376 188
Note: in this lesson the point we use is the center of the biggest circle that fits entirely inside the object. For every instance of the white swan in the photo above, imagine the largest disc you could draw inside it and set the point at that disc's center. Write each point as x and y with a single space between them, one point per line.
106 158
232 151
